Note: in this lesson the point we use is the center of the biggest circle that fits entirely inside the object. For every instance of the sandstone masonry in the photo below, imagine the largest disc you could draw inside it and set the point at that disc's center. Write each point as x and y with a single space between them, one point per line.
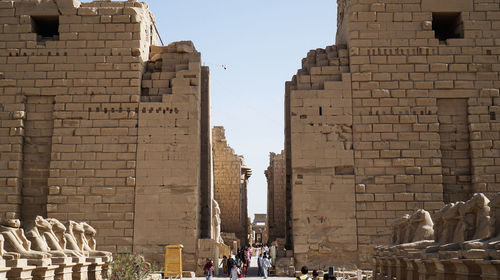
276 205
97 123
400 114
230 184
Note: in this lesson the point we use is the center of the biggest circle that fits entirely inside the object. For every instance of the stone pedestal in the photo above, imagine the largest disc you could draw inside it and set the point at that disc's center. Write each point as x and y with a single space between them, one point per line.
494 254
445 270
490 269
426 269
19 270
80 270
3 269
391 271
376 268
411 269
466 269
384 268
64 270
44 270
447 255
475 254
95 268
400 268
106 267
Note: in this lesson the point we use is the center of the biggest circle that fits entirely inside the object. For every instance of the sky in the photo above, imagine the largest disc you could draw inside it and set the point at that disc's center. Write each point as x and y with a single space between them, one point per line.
261 44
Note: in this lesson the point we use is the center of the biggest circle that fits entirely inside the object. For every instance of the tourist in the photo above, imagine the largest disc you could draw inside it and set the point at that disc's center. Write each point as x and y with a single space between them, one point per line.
237 258
266 264
248 256
304 275
245 268
230 263
209 269
235 272
315 275
242 260
224 264
245 265
259 264
326 276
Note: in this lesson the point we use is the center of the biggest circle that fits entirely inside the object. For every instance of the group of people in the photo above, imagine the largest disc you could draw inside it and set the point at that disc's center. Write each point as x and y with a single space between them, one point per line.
237 267
264 263
315 275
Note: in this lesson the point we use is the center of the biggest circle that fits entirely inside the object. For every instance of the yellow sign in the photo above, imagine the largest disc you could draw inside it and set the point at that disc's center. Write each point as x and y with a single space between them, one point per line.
173 261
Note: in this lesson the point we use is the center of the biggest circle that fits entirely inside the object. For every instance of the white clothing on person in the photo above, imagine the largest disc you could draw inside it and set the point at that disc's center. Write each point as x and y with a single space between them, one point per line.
235 272
266 264
260 266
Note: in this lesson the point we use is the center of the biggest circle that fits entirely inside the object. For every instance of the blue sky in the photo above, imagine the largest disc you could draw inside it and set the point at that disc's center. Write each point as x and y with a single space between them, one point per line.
262 44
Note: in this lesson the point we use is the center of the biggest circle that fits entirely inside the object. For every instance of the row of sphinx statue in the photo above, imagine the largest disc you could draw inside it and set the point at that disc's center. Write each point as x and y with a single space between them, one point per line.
51 250
461 239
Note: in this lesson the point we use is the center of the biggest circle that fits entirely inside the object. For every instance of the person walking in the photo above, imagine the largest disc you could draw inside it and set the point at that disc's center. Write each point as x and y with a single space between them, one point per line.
235 272
209 269
315 275
266 264
259 264
304 275
230 263
245 266
224 264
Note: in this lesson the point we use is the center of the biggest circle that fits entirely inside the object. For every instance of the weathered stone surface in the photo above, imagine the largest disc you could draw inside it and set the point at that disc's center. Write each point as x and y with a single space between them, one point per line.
408 106
230 187
100 124
276 197
469 257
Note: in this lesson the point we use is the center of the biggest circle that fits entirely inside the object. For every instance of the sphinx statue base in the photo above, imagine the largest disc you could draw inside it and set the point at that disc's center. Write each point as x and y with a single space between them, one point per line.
19 269
81 269
44 269
64 271
95 268
3 269
489 269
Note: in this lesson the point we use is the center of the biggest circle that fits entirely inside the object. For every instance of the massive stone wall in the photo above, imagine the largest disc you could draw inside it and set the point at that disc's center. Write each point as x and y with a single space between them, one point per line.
322 160
418 100
94 126
167 193
276 206
230 186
